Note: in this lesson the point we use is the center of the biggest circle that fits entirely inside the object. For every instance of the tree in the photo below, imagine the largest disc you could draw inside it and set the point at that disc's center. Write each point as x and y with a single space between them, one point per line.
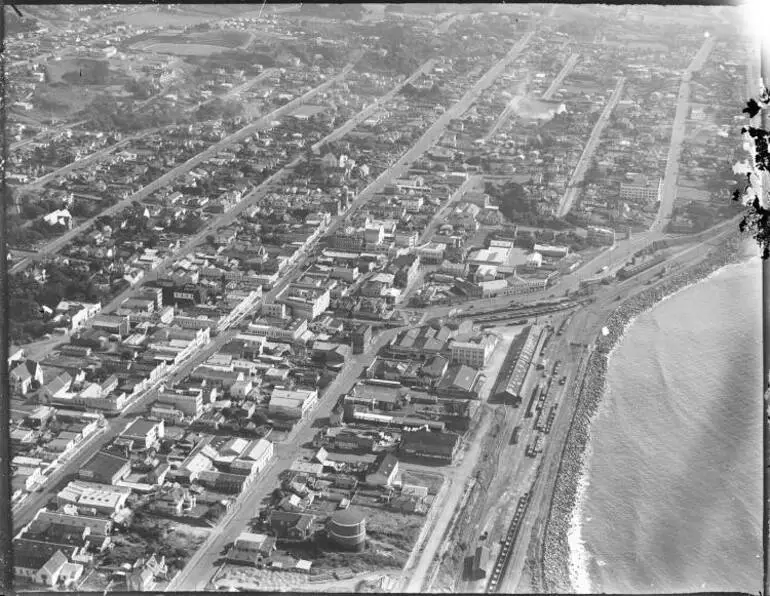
513 199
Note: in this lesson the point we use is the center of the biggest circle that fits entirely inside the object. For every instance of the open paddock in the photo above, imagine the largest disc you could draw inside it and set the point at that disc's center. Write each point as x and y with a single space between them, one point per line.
179 49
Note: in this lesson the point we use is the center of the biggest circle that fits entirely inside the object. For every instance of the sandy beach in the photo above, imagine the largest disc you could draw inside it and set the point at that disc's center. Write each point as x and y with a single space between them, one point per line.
557 554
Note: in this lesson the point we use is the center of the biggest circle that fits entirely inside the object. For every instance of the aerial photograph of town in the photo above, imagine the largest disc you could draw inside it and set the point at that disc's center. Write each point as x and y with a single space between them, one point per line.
381 298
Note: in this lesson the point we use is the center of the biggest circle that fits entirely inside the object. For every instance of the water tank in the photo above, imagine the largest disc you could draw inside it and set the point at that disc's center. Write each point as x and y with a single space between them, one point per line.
347 529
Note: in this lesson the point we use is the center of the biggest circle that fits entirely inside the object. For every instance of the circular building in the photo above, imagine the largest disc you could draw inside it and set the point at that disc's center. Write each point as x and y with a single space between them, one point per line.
347 529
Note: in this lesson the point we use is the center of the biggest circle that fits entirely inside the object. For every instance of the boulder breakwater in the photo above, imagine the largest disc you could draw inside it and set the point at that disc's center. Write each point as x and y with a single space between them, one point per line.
556 553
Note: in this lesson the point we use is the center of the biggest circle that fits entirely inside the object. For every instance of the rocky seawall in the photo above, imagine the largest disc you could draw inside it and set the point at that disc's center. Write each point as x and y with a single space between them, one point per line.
556 552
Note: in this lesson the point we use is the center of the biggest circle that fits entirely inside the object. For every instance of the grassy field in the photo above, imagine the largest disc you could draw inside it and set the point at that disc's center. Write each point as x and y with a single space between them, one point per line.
227 39
182 49
61 102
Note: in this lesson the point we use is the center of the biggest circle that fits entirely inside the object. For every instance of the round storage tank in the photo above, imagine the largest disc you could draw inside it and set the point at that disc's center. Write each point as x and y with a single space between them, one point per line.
347 529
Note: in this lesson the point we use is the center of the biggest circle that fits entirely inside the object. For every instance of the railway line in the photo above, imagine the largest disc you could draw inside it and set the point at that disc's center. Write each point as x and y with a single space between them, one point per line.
504 557
524 313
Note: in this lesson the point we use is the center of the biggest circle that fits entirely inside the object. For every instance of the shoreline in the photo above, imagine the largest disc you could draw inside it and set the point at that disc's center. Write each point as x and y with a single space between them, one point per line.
557 567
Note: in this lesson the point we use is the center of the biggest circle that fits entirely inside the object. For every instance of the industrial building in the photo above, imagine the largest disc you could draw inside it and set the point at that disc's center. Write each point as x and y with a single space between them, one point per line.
347 529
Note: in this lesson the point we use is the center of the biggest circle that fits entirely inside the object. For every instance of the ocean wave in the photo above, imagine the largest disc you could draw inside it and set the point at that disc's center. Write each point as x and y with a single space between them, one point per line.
580 557
557 555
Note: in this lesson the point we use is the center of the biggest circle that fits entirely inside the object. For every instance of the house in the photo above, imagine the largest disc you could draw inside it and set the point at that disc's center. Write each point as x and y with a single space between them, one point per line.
40 562
290 503
61 217
105 468
289 525
384 471
251 549
77 313
57 386
142 576
175 502
26 376
437 446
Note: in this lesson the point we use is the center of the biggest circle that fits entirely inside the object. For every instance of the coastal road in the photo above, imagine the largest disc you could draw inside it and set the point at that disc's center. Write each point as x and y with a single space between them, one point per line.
203 564
678 129
55 245
585 158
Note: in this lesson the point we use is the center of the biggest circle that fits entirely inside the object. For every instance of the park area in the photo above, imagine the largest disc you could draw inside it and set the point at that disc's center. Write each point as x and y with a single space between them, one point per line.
195 44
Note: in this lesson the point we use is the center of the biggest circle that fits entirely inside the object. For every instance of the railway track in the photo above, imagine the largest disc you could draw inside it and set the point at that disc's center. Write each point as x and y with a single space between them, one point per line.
504 557
523 313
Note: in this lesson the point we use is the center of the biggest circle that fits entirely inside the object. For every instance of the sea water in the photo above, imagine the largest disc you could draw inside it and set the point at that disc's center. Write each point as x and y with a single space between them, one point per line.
671 498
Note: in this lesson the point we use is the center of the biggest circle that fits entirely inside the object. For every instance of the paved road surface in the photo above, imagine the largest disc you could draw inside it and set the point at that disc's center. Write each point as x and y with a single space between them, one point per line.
196 574
199 570
585 158
426 67
434 132
49 132
566 69
668 192
473 182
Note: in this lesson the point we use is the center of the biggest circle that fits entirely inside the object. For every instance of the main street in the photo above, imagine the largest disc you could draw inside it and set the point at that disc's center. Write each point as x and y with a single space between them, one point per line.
668 192
29 507
573 187
202 566
196 574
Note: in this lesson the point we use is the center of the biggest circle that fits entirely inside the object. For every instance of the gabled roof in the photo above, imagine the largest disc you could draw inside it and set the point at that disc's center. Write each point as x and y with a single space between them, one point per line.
58 383
54 563
21 372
